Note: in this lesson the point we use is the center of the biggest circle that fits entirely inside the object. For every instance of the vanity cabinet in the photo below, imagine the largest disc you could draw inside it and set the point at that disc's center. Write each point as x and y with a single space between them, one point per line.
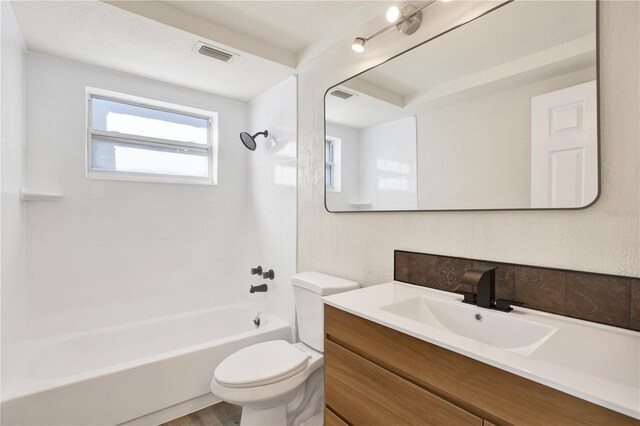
375 375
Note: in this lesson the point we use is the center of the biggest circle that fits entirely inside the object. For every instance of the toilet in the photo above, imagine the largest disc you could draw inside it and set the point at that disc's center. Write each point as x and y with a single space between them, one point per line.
276 382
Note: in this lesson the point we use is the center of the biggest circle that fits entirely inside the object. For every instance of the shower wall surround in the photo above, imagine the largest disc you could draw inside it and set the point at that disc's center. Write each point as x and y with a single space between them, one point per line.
604 238
272 198
13 214
112 252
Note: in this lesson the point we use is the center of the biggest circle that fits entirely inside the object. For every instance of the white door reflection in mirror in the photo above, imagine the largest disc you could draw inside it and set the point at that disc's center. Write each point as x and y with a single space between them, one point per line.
564 147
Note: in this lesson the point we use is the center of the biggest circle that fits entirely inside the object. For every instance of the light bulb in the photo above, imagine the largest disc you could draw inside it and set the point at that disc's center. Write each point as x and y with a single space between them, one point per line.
358 45
393 13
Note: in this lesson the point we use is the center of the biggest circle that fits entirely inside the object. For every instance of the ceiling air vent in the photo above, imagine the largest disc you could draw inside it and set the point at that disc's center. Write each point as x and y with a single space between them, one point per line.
341 94
214 53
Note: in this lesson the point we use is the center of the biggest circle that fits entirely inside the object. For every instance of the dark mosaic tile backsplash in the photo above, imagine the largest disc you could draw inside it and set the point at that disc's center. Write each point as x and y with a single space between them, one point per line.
606 299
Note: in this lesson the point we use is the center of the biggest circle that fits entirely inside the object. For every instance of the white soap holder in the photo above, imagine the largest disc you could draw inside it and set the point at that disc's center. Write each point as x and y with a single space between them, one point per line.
30 194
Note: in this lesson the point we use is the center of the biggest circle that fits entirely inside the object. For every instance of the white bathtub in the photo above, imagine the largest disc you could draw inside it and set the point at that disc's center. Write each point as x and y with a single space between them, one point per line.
117 374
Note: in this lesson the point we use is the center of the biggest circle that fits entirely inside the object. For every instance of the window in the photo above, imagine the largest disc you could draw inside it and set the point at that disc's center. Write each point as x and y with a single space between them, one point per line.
133 138
329 164
332 163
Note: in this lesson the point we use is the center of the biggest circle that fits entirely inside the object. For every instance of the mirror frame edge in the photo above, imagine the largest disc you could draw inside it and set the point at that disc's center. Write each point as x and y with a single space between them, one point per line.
597 4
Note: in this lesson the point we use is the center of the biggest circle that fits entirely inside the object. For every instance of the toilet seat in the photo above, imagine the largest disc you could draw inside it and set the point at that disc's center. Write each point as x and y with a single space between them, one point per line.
261 364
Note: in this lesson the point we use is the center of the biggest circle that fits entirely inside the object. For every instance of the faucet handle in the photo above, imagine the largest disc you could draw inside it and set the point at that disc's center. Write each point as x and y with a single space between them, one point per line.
469 297
256 271
505 305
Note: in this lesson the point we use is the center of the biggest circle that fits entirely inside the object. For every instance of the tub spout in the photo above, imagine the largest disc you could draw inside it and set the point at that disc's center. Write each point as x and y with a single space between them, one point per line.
258 288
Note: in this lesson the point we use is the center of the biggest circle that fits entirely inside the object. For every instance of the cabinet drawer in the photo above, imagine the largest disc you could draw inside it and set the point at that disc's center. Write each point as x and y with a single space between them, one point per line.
365 394
330 419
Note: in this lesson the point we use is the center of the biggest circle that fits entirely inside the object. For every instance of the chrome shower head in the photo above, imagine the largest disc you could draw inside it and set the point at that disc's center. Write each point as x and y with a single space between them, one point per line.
250 141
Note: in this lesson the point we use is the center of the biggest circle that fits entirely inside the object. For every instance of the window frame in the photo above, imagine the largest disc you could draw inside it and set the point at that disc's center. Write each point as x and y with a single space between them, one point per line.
334 165
329 144
211 147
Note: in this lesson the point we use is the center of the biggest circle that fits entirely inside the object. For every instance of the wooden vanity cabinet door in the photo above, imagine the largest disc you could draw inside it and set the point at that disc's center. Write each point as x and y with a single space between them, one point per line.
366 394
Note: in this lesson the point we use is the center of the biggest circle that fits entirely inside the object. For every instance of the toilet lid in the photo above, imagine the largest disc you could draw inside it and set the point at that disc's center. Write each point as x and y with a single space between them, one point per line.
261 364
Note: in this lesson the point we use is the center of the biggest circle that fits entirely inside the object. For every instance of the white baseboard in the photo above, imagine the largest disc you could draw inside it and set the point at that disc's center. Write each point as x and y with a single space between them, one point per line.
174 411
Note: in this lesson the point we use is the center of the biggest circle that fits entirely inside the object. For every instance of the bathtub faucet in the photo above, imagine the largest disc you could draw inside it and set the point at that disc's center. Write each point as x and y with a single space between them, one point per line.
258 288
256 320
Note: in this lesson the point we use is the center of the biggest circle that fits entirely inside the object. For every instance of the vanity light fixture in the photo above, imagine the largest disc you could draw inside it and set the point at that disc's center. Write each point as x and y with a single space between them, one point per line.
406 19
393 13
358 44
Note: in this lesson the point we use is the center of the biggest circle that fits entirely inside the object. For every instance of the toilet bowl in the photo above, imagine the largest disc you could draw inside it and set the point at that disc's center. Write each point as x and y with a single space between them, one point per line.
270 381
276 382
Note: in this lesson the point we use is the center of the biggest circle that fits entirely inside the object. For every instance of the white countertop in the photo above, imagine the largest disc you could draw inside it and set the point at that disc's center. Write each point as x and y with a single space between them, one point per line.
598 363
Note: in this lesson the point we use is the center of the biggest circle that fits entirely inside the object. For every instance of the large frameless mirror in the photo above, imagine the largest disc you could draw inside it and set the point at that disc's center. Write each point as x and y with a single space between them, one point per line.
500 113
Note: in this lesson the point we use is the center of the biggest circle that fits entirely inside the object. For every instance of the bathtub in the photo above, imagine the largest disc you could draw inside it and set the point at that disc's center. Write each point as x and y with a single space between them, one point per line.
117 374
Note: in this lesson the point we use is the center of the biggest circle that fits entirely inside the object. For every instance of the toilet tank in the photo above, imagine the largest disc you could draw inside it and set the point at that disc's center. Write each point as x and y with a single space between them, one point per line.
308 290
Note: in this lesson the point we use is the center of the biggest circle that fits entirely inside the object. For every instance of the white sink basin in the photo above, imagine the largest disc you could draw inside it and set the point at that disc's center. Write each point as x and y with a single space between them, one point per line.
499 329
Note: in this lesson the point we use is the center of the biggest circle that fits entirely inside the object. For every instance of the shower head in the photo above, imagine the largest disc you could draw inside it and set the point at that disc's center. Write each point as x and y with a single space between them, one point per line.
250 141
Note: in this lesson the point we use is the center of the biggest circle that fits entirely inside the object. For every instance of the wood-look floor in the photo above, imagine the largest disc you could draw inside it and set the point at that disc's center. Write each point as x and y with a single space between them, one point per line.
221 414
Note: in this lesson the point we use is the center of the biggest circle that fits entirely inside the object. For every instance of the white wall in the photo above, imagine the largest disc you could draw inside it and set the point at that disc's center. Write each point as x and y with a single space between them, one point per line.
603 238
271 234
111 251
12 214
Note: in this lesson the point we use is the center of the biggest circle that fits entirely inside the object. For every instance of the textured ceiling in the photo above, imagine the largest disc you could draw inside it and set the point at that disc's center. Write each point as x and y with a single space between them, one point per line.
292 25
100 34
156 39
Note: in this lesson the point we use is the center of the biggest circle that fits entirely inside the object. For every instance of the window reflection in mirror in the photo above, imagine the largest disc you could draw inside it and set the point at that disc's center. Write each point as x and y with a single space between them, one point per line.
500 113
